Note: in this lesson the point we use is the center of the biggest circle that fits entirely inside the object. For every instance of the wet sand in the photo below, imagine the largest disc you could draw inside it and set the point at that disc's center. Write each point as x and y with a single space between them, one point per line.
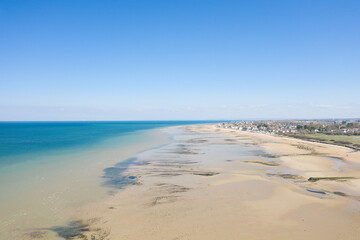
212 183
39 194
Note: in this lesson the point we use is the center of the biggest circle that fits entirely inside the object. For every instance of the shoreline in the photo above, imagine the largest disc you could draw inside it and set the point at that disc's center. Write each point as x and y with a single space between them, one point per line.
50 188
210 183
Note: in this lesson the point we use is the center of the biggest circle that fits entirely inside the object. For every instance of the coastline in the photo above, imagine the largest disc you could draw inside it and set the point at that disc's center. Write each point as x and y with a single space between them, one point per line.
48 188
211 183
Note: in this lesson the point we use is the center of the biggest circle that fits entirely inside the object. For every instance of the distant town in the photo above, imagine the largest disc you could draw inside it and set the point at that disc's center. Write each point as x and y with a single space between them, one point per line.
344 132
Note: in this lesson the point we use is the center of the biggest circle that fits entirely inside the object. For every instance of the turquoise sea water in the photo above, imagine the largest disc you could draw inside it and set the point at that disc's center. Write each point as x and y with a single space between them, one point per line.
47 168
19 140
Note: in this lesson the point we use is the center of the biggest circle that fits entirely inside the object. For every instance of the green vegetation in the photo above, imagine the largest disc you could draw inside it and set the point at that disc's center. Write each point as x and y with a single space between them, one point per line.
351 141
285 175
355 139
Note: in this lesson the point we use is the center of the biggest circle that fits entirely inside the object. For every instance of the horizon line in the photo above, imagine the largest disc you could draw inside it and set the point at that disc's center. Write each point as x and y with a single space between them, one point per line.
187 120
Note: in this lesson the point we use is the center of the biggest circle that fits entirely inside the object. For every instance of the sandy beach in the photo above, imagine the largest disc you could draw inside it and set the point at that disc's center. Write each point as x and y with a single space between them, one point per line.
213 183
180 120
42 192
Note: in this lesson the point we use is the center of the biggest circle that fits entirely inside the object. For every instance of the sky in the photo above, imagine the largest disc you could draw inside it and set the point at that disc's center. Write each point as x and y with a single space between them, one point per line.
179 59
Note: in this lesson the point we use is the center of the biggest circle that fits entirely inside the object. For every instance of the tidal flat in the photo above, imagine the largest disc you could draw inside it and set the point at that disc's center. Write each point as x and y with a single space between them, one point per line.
202 185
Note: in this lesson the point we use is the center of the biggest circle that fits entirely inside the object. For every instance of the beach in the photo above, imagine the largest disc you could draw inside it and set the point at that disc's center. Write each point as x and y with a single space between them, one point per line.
180 120
40 189
213 183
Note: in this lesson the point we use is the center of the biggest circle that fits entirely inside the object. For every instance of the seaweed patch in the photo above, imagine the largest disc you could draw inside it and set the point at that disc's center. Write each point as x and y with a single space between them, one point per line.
115 177
285 175
340 194
315 179
71 230
205 174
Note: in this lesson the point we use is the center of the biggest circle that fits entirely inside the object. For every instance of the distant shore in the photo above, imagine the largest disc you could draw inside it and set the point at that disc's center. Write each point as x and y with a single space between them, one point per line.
337 132
325 141
212 183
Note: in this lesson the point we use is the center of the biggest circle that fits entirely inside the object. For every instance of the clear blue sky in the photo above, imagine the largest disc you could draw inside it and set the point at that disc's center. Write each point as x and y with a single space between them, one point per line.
179 59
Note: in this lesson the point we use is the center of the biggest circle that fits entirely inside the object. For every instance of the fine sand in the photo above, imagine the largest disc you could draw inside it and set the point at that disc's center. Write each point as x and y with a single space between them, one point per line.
212 183
42 192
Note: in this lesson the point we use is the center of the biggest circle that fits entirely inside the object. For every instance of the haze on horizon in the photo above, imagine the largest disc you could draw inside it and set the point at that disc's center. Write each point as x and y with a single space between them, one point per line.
176 60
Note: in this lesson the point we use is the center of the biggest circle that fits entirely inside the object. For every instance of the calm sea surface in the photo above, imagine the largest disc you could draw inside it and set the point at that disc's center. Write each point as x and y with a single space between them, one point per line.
48 168
19 140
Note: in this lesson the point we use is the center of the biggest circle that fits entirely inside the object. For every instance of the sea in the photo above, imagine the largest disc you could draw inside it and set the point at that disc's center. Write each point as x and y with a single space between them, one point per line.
49 168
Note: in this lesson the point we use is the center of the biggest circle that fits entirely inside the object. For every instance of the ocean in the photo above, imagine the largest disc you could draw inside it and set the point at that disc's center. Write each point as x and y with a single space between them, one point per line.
47 168
18 140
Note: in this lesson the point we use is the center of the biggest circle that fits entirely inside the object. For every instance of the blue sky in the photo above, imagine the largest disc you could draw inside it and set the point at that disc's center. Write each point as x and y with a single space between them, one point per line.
152 60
